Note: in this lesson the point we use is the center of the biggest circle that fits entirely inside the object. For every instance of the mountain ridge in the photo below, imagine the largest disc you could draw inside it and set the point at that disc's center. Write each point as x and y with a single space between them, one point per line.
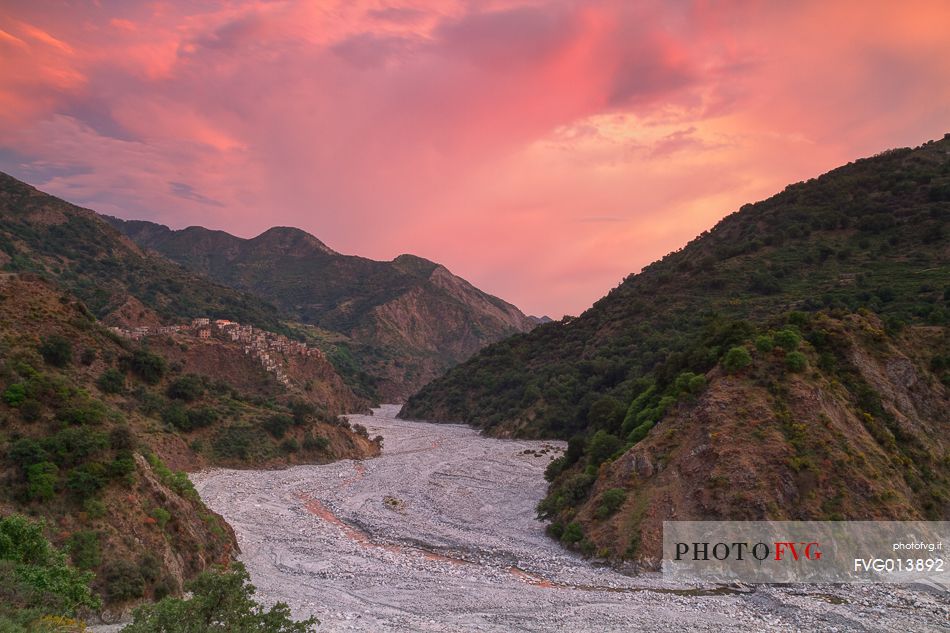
407 319
819 291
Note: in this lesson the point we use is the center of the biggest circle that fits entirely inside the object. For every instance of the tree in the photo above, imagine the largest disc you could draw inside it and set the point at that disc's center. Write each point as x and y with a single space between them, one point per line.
34 575
222 600
111 381
787 339
56 351
736 359
796 362
602 446
188 388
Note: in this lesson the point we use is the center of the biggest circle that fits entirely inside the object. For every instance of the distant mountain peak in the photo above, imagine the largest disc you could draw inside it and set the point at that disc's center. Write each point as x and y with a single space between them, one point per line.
291 240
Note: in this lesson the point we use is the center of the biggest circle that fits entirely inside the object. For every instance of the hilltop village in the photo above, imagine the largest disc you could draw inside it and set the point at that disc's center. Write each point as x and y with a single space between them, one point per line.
267 347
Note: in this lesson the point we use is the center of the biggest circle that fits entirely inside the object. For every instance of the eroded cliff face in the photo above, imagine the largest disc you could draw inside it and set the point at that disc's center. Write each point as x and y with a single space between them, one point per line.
433 327
867 440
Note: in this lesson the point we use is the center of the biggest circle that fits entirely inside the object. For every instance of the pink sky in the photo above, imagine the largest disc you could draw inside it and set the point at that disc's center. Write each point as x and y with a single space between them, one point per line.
542 149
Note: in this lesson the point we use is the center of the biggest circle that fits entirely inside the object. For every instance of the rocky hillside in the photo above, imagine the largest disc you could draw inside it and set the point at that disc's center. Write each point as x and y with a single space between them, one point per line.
93 428
791 362
45 235
402 322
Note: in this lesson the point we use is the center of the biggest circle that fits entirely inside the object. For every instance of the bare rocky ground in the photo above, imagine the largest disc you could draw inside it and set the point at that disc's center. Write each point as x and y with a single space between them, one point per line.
438 534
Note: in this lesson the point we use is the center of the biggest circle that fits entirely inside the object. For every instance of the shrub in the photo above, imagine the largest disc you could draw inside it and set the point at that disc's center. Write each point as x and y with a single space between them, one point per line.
121 438
56 351
111 381
177 416
224 597
554 468
602 446
43 580
764 343
277 425
88 356
86 480
361 430
315 443
15 394
161 516
796 362
41 481
788 340
149 367
84 550
610 502
122 580
83 413
290 445
736 359
573 533
640 432
201 417
187 388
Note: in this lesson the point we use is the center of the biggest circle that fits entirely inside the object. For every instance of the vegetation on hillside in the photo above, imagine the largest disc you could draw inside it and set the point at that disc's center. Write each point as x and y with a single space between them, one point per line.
870 237
44 235
88 421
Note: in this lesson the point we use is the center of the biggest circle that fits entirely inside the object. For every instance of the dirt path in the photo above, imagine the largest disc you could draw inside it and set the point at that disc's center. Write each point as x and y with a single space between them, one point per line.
438 534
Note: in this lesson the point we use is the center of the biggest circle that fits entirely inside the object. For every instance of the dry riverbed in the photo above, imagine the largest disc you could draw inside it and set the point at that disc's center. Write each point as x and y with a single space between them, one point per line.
438 534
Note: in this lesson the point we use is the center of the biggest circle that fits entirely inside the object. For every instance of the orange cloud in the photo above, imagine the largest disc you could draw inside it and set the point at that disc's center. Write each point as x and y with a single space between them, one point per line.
541 148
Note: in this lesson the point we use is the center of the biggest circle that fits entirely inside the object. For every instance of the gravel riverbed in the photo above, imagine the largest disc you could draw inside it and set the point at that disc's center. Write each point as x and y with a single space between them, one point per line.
439 534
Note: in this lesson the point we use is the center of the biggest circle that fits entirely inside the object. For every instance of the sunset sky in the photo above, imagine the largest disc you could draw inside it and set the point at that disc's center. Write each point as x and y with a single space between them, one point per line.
541 149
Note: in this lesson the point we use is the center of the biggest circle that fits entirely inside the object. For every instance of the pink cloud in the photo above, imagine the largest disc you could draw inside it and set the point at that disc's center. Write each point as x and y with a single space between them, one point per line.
543 149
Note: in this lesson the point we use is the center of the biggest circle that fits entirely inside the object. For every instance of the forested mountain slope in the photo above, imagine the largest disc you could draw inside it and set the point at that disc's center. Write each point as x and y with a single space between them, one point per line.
801 331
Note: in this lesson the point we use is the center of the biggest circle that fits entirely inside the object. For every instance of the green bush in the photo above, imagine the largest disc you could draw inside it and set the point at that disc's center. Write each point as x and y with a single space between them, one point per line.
201 417
602 446
610 502
15 394
224 597
177 416
736 359
161 516
764 343
277 425
640 432
123 581
41 481
187 388
84 550
111 381
554 468
56 351
83 413
121 438
789 340
573 533
149 367
38 572
87 480
796 362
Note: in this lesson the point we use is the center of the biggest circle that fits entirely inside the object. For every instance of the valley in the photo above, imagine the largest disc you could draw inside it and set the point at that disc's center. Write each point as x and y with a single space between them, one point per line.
438 534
